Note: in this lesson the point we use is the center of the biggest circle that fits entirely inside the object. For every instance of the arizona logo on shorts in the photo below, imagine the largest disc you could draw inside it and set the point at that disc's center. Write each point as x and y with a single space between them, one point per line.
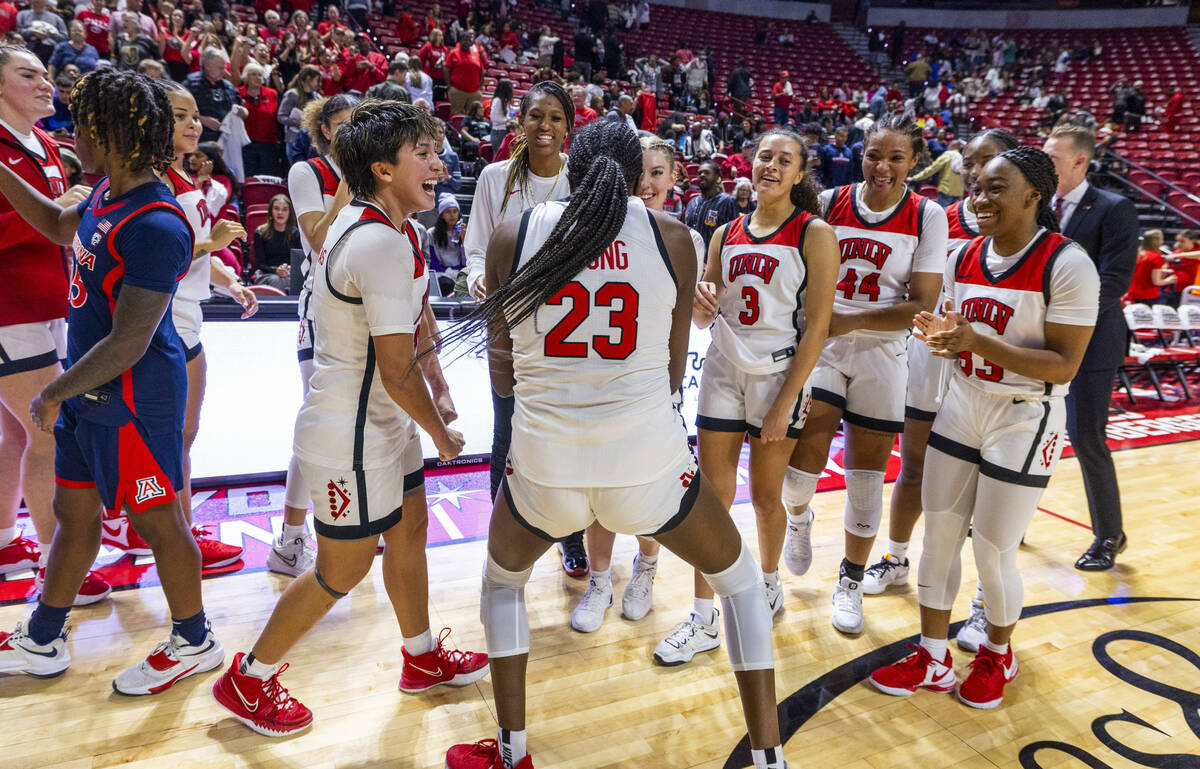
147 489
1048 449
339 500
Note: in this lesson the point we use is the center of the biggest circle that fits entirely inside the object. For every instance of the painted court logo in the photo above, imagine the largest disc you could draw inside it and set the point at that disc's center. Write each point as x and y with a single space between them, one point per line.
148 489
339 498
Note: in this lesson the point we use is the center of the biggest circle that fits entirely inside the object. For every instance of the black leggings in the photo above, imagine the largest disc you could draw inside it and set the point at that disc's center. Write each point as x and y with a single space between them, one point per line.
502 414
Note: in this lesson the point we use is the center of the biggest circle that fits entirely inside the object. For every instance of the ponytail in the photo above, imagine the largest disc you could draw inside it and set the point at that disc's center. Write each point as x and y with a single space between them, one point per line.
518 163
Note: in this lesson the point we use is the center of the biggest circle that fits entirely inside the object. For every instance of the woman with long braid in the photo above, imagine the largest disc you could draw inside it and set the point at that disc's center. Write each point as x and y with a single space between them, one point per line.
1021 304
587 319
535 173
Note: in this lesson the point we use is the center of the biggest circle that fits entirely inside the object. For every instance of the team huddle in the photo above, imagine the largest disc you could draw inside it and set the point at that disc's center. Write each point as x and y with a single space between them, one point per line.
865 308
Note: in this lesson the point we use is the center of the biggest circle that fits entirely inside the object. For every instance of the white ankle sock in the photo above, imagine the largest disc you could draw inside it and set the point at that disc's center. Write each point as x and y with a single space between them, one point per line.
647 560
602 577
418 645
8 535
935 646
771 577
770 758
512 747
257 668
703 608
800 518
898 550
997 648
292 532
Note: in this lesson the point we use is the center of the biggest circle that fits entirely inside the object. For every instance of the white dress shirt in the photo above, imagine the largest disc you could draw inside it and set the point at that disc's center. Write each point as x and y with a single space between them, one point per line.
1070 202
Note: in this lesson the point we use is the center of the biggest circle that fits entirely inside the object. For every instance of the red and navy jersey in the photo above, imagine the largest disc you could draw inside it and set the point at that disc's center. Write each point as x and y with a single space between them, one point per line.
141 239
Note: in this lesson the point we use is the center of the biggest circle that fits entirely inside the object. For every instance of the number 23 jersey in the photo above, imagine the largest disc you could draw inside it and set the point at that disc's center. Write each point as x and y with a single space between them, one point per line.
593 394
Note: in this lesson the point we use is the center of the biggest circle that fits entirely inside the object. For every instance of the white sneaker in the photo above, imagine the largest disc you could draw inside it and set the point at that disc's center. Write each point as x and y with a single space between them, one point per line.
688 639
19 654
589 614
797 547
171 661
774 590
974 631
293 557
889 571
847 606
639 593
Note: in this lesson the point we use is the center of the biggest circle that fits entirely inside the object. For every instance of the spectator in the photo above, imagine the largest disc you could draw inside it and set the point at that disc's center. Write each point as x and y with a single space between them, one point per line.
152 68
274 240
406 28
898 44
1151 275
132 46
837 161
623 110
8 17
1120 91
916 73
1135 108
948 168
475 130
1185 260
743 195
696 73
1170 119
877 48
451 178
393 88
787 38
97 22
145 23
175 46
42 28
418 84
75 51
712 207
215 96
649 72
433 62
741 163
357 10
303 88
501 110
699 145
781 98
647 107
446 255
585 52
333 22
464 70
583 113
741 87
364 68
261 155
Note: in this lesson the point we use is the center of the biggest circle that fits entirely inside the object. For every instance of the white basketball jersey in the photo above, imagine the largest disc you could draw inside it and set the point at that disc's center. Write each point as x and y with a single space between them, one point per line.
593 395
762 307
194 286
877 258
964 226
369 280
324 173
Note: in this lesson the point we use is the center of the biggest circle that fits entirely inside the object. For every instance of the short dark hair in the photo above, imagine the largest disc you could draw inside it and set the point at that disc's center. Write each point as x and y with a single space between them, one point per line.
376 132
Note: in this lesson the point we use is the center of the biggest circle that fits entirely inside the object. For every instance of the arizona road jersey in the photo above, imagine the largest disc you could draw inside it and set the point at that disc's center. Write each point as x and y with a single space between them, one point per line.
762 306
311 186
881 250
195 285
593 394
1050 280
141 239
368 281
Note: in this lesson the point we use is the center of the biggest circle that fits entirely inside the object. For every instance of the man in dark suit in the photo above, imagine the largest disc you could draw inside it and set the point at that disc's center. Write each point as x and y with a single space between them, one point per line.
1106 225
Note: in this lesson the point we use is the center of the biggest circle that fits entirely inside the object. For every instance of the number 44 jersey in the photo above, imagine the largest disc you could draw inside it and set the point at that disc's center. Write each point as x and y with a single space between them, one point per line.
593 395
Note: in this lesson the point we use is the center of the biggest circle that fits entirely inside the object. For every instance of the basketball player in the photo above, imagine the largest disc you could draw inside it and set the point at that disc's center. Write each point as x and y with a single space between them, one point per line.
589 327
767 295
928 377
535 173
120 403
1021 305
658 171
32 332
893 250
318 195
356 435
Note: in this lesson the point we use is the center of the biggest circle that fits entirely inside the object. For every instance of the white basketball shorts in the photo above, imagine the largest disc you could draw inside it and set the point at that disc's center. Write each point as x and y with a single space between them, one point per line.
928 378
732 401
31 346
864 376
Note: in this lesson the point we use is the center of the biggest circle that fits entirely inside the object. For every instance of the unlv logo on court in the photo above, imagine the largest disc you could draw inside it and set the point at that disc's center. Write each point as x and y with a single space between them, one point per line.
988 311
339 499
866 249
148 489
752 264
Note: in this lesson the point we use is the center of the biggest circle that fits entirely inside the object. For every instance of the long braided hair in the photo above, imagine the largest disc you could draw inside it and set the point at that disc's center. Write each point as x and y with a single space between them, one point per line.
127 115
1038 170
1003 139
518 164
604 164
804 192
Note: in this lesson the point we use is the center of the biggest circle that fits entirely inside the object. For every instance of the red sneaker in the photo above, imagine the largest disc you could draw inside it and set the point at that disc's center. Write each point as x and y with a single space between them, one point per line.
984 687
116 532
484 754
262 704
441 666
20 554
916 671
94 588
213 552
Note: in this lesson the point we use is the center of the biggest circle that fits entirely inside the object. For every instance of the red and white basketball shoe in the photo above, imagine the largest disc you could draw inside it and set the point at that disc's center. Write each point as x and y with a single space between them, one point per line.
261 703
484 754
94 588
118 533
213 552
171 661
984 687
916 671
20 554
441 666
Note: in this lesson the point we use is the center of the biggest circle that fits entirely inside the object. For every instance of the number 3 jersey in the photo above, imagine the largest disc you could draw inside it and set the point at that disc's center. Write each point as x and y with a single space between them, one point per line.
881 249
593 394
1050 280
763 301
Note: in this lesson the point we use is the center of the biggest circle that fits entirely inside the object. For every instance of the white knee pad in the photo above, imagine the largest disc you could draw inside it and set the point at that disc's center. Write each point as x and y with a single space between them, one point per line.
502 610
798 489
295 490
747 616
940 572
864 502
1003 590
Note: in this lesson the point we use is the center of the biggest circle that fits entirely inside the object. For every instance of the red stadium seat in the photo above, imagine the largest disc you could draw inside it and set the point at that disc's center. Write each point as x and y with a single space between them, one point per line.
260 193
928 191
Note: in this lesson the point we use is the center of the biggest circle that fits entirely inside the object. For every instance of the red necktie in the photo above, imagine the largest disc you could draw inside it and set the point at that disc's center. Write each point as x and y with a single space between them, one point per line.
1058 209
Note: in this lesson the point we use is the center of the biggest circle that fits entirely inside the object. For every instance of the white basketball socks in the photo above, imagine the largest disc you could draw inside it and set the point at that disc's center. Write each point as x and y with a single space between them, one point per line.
769 758
257 668
418 645
703 608
935 646
512 747
292 532
897 550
